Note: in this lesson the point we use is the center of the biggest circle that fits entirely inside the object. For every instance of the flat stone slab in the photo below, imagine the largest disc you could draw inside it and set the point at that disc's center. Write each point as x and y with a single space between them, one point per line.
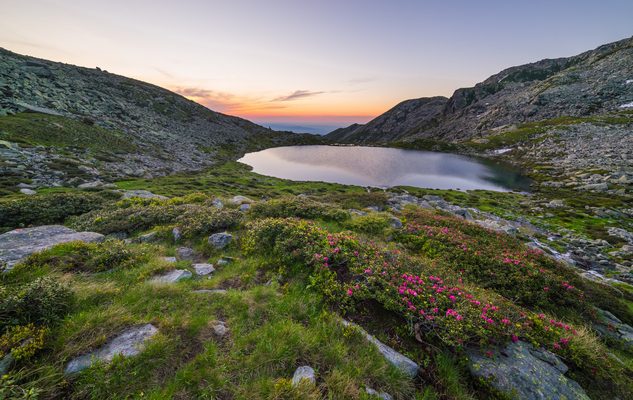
240 200
174 276
220 240
143 194
303 373
185 253
523 372
203 269
129 343
18 244
400 361
169 259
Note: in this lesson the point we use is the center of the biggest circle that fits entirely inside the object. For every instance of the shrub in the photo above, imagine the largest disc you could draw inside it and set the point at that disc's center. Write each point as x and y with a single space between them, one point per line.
44 301
88 257
200 220
22 341
373 223
129 216
298 207
49 208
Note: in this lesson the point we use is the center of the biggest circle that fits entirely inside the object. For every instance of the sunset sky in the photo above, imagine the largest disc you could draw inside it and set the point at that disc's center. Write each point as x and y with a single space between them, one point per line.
309 62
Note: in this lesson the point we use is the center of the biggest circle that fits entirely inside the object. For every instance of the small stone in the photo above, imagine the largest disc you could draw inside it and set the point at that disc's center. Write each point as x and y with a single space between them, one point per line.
148 237
90 185
176 234
185 254
28 192
203 269
174 276
5 364
382 395
303 373
219 329
169 259
245 207
143 194
211 291
224 261
395 223
217 203
240 200
220 240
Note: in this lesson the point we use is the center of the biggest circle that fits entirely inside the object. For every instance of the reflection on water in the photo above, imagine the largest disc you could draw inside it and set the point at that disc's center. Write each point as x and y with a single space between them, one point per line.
383 167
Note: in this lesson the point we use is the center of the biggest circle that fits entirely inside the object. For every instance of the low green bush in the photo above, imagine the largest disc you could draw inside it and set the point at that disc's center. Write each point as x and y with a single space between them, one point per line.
88 257
49 208
43 301
372 223
129 218
299 207
22 342
198 220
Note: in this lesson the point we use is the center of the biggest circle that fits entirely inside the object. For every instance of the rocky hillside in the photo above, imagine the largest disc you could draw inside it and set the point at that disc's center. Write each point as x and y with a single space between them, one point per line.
595 82
142 129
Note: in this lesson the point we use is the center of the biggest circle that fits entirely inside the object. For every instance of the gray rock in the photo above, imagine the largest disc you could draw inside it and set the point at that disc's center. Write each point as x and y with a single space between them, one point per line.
240 200
245 207
174 276
224 261
303 373
219 329
148 237
217 203
557 203
28 192
176 234
611 327
90 185
17 244
395 223
523 372
382 395
129 343
400 361
169 259
203 269
464 213
185 254
5 364
143 194
220 240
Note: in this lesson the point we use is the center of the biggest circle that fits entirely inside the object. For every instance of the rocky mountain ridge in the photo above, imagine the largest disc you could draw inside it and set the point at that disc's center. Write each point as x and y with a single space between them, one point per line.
594 82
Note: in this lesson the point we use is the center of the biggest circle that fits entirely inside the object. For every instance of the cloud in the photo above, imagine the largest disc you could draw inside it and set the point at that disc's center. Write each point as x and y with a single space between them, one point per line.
203 93
228 103
297 94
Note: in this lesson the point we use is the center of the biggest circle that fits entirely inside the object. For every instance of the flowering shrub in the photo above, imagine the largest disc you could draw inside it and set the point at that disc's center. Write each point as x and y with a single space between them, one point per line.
493 260
349 272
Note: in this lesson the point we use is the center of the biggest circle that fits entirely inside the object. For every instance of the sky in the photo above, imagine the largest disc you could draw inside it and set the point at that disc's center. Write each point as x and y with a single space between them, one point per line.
319 64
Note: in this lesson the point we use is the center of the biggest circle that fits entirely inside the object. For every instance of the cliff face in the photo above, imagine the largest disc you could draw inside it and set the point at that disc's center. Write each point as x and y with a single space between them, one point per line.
594 82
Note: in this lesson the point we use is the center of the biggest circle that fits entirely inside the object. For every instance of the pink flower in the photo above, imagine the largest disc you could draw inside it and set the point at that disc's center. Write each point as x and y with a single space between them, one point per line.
350 292
515 338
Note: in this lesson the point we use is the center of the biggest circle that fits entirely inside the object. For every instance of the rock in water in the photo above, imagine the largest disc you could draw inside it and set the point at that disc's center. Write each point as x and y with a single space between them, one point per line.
129 343
400 361
303 373
172 276
220 240
17 244
203 269
524 372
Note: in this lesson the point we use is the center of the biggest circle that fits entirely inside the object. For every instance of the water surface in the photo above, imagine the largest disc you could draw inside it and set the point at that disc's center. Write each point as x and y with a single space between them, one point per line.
384 167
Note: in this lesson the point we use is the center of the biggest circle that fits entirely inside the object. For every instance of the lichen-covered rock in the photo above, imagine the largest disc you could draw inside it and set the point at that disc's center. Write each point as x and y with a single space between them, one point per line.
382 395
304 373
523 372
203 269
129 343
17 244
400 361
240 200
174 276
143 194
220 240
185 254
611 327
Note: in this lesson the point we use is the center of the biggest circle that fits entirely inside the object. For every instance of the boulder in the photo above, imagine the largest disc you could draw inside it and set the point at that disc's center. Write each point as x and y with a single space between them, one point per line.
464 213
611 327
203 269
143 194
17 244
303 373
90 185
400 361
129 343
240 200
148 237
185 254
521 371
220 240
28 192
173 276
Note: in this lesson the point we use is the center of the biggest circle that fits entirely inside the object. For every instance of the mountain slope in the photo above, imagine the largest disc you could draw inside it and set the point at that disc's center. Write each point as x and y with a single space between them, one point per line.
166 132
594 82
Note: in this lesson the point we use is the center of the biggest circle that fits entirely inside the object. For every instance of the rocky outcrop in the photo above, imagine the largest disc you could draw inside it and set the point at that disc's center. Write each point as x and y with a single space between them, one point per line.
593 82
521 371
20 243
127 344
